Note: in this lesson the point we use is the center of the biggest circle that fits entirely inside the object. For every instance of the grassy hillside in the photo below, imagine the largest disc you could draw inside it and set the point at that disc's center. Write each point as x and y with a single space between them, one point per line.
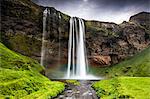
13 61
20 78
137 66
136 83
123 88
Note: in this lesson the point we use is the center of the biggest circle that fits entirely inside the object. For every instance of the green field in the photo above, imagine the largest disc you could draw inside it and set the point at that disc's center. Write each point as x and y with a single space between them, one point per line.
73 82
136 66
123 88
129 79
20 78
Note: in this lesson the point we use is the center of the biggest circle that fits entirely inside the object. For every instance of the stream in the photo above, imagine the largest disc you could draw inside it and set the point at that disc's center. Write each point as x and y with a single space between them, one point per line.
83 91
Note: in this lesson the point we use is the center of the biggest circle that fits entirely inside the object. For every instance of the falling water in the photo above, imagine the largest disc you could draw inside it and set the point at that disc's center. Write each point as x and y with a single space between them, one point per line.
81 60
76 55
77 58
45 14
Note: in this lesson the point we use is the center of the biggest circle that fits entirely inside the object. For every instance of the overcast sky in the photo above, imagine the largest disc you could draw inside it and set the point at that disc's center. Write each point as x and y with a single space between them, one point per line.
102 10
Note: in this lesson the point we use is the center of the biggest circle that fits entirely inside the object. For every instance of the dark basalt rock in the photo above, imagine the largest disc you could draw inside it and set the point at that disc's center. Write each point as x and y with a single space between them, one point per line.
21 27
117 41
107 43
142 18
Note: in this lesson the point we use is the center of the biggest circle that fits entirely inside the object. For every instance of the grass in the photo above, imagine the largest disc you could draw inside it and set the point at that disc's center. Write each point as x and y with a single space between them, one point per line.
74 82
15 61
130 79
20 78
123 88
137 66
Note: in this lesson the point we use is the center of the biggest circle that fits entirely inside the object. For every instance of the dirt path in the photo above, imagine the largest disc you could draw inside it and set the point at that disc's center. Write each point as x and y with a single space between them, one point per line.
84 91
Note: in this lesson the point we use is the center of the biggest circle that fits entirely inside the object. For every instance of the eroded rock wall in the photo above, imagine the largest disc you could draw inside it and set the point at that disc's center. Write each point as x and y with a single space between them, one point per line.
107 43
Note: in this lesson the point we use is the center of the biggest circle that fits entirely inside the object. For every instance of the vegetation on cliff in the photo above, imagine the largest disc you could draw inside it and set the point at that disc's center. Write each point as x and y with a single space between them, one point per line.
136 66
23 19
122 85
20 78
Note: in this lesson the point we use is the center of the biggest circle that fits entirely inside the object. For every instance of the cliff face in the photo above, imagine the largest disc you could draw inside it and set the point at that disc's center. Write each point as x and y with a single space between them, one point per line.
21 20
22 24
107 43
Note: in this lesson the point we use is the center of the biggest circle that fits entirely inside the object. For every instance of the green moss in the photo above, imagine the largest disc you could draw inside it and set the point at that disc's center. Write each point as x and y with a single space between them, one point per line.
139 65
65 17
27 84
123 88
26 45
74 82
20 78
98 29
11 60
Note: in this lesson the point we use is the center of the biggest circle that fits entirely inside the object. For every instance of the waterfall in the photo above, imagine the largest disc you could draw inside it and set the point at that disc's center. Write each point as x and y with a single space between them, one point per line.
81 60
77 59
45 14
77 64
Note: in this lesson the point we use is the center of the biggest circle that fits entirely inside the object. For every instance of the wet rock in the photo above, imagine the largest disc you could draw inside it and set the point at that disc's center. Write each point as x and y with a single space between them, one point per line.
90 94
69 91
78 92
84 91
61 96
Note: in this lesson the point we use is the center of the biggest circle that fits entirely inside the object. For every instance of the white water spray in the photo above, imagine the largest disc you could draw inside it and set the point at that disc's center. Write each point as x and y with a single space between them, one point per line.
45 14
81 62
77 58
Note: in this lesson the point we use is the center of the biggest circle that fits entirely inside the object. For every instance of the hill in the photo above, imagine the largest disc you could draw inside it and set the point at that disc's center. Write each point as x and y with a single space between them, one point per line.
21 78
136 66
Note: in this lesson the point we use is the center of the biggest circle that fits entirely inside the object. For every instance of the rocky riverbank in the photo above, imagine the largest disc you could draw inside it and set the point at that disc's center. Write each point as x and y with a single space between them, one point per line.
81 91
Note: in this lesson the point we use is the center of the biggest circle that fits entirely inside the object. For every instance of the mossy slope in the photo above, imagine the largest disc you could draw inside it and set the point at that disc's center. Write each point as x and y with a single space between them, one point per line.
15 61
123 88
136 66
20 78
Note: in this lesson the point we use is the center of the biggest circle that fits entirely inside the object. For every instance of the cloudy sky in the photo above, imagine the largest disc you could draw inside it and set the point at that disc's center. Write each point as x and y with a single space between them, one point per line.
102 10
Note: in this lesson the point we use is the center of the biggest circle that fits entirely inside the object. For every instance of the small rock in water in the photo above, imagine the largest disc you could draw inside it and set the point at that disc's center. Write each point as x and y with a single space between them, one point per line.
69 98
61 96
90 94
85 93
78 92
69 91
69 94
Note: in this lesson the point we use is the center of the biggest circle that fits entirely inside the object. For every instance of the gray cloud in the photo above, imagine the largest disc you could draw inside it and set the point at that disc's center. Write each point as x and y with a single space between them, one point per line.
103 10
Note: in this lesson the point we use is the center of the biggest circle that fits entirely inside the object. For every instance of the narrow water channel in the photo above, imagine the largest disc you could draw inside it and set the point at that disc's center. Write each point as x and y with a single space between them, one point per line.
83 91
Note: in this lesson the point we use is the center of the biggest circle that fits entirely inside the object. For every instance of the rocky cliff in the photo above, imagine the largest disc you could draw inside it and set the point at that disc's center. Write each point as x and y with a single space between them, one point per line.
110 43
107 43
22 24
